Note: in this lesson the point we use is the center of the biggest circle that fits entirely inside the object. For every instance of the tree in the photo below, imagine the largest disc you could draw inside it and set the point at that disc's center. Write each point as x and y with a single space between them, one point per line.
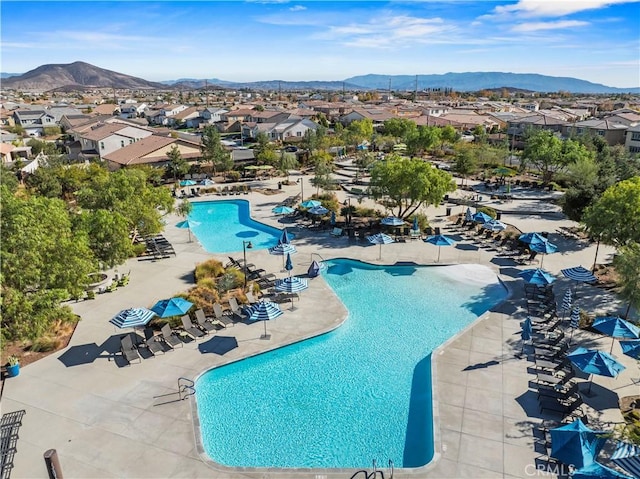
583 190
424 138
212 150
448 136
615 217
549 154
465 163
359 131
400 128
108 235
176 165
286 162
627 265
407 184
323 167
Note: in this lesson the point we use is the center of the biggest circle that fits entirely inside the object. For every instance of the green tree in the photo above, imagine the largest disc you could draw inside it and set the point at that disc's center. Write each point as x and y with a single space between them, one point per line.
323 167
39 146
448 136
212 150
286 162
8 178
400 128
615 217
407 184
583 190
108 235
549 154
177 165
424 138
627 265
465 163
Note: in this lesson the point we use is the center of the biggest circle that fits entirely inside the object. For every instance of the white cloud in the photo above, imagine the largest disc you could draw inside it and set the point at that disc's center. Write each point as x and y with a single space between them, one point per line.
552 8
541 26
297 8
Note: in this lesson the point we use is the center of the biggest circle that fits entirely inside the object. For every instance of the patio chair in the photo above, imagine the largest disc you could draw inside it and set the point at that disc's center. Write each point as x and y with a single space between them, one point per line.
129 352
336 232
251 298
190 329
170 337
221 318
204 324
236 310
152 342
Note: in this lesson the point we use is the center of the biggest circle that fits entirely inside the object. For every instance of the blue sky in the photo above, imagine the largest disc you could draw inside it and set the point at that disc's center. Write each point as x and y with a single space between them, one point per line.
595 40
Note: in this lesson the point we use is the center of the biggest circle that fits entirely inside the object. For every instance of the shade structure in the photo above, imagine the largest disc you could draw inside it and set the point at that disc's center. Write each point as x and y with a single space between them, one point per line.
188 224
543 247
532 238
264 311
616 328
380 238
631 348
592 361
627 456
597 470
288 265
284 237
439 240
187 183
575 444
171 307
567 301
481 217
494 225
318 210
283 249
392 221
282 210
579 273
537 276
207 182
468 216
314 269
310 204
132 318
291 284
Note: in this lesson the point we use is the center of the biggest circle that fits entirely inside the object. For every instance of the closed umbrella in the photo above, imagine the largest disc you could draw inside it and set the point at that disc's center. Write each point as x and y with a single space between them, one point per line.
592 361
282 210
171 307
616 328
468 216
481 217
543 247
439 241
284 237
527 331
380 238
574 321
310 204
288 265
333 218
314 269
415 226
537 276
567 300
392 221
188 224
575 444
264 311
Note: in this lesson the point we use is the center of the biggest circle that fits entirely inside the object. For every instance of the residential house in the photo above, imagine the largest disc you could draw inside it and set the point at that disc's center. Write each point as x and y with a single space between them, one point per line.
614 133
132 110
517 127
287 130
377 115
152 151
632 141
213 115
108 137
34 121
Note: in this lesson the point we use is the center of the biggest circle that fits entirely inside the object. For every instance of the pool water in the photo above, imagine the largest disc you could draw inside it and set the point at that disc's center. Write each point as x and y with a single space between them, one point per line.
224 225
360 392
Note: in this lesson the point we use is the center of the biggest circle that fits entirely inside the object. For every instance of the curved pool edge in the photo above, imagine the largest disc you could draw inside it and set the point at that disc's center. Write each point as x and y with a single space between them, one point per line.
325 473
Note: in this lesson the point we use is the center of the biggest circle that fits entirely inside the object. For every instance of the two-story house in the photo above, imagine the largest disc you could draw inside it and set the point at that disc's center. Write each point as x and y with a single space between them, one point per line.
632 140
109 137
34 121
152 151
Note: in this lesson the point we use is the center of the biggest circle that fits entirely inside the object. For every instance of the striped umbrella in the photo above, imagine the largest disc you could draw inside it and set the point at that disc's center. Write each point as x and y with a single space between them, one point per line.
291 284
288 265
627 456
616 328
392 221
574 321
580 274
264 311
132 317
468 216
283 249
380 238
567 300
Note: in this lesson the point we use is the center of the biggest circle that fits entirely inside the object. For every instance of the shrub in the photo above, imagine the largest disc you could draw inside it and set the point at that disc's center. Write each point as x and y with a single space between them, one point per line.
488 211
45 344
139 248
585 320
203 298
209 269
423 221
233 175
208 283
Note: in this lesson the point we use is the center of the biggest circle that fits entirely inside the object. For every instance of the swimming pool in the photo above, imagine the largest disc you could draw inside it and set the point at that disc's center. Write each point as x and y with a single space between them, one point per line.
222 226
360 392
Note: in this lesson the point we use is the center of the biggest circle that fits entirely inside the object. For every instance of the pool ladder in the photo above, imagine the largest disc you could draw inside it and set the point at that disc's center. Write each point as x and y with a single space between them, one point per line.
375 472
187 386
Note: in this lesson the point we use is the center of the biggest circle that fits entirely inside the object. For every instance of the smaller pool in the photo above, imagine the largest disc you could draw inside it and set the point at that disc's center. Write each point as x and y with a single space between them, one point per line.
224 225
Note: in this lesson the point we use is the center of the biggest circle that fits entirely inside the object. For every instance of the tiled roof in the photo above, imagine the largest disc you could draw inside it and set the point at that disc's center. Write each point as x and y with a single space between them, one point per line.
103 131
152 149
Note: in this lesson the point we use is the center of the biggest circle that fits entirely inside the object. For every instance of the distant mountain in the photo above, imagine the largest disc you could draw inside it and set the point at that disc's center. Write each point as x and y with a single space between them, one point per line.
262 85
474 81
80 74
7 75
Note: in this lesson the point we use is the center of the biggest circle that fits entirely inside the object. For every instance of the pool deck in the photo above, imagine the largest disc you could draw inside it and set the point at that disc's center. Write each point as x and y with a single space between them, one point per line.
106 421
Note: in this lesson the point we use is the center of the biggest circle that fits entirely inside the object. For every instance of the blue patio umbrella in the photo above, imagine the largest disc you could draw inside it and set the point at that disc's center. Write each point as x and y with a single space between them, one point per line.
439 241
592 361
481 217
264 311
415 226
580 274
318 210
207 182
392 221
188 224
187 183
494 225
310 204
284 237
537 276
575 444
468 216
291 284
282 210
574 321
532 238
288 265
527 331
380 238
283 249
567 300
597 470
132 317
543 247
616 328
333 218
631 348
171 307
627 456
314 269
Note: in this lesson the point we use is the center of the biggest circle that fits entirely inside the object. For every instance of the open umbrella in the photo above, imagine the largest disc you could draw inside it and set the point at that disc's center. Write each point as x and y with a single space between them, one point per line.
494 225
380 238
616 328
543 247
283 249
188 224
171 307
537 276
532 238
310 204
580 274
187 183
631 348
291 284
627 456
597 470
264 311
132 317
318 210
481 217
592 361
575 444
392 221
282 210
207 182
439 241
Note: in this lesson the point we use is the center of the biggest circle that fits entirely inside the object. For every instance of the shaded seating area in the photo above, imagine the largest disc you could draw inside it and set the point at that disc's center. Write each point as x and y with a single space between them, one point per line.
128 350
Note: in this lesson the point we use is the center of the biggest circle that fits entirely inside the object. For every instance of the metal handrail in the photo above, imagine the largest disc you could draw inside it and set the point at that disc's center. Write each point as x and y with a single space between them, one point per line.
182 387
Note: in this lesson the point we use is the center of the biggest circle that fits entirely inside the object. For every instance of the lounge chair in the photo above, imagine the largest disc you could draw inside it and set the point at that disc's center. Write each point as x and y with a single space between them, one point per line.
190 329
129 352
221 318
251 298
204 324
152 342
236 310
169 336
336 232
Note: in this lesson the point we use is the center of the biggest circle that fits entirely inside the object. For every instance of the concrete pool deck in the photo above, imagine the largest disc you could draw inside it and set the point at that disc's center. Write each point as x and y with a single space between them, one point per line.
105 420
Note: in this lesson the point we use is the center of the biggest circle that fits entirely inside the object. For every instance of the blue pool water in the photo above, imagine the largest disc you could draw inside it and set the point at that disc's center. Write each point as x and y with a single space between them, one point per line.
360 392
224 225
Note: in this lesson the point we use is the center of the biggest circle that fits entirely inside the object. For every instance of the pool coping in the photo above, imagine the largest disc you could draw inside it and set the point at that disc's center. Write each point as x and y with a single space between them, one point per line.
327 472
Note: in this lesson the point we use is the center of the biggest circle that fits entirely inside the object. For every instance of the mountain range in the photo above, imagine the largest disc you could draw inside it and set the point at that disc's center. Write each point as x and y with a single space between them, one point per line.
81 75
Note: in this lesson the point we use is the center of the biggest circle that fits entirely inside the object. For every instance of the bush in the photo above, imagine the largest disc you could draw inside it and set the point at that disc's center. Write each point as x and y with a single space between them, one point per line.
209 269
488 211
367 212
45 344
233 175
139 249
423 221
